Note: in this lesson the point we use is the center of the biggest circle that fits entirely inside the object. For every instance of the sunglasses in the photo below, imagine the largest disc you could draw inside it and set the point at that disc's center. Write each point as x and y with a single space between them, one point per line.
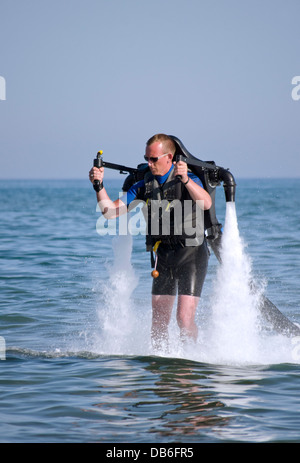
154 160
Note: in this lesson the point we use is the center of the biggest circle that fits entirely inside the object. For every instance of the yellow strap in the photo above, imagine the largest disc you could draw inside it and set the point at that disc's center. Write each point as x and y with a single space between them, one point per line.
156 246
168 205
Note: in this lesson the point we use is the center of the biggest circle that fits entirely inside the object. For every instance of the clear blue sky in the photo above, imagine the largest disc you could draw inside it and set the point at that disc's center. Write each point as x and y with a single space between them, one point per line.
84 75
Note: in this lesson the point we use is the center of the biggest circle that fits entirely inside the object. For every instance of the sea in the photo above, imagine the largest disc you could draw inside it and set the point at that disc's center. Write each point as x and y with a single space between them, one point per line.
76 360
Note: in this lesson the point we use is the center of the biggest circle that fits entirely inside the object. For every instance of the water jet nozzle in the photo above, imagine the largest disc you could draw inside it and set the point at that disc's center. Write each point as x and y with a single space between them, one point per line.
228 183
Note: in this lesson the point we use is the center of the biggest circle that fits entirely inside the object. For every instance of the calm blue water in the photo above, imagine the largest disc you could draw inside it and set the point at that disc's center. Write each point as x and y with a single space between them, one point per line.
75 317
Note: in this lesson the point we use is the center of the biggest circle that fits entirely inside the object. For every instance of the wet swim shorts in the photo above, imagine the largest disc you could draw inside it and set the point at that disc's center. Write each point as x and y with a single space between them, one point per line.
182 267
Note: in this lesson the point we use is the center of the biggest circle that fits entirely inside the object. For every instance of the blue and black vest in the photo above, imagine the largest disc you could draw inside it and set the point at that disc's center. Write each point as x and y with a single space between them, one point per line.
171 215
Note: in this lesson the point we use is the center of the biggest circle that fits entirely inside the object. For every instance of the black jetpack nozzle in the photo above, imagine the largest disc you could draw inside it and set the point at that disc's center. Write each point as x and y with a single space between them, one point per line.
219 174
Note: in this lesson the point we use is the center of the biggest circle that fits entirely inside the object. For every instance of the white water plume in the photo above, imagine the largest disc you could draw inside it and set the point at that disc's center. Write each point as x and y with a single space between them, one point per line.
236 334
234 306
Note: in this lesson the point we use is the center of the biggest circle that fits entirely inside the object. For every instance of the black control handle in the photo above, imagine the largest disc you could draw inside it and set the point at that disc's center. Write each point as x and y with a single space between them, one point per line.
98 162
179 157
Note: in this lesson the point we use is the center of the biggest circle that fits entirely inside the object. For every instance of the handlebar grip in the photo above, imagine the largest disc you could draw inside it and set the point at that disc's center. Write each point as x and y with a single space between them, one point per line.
179 157
97 163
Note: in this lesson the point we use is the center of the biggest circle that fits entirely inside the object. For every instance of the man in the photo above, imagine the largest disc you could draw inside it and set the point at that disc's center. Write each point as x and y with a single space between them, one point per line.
177 264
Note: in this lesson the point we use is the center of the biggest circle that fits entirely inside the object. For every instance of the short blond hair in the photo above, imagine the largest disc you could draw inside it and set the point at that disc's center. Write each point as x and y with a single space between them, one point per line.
167 142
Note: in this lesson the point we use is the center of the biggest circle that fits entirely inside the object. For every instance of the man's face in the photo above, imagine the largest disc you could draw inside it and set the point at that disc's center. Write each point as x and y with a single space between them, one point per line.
162 165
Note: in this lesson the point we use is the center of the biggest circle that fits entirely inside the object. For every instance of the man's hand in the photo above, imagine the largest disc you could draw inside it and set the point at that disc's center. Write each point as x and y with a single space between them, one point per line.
96 174
181 169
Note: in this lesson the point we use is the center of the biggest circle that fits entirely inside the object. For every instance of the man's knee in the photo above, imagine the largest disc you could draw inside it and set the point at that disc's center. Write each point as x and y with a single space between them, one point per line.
186 311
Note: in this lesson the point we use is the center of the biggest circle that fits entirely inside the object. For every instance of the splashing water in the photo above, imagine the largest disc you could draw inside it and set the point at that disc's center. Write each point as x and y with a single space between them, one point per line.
121 331
233 334
236 334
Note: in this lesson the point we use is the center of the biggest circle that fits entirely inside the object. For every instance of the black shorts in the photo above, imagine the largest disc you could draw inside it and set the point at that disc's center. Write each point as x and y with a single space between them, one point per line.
182 267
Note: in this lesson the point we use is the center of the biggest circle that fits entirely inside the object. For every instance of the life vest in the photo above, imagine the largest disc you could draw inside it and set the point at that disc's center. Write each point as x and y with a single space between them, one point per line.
210 175
171 215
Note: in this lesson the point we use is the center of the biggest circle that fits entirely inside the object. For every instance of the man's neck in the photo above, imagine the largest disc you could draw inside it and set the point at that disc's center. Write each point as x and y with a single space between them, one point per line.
163 178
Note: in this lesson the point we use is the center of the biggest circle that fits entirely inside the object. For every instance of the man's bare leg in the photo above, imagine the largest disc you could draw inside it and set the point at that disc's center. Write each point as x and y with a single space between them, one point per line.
161 315
186 312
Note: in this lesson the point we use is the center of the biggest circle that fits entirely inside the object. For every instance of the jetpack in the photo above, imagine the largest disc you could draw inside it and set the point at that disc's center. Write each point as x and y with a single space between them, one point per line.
211 177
